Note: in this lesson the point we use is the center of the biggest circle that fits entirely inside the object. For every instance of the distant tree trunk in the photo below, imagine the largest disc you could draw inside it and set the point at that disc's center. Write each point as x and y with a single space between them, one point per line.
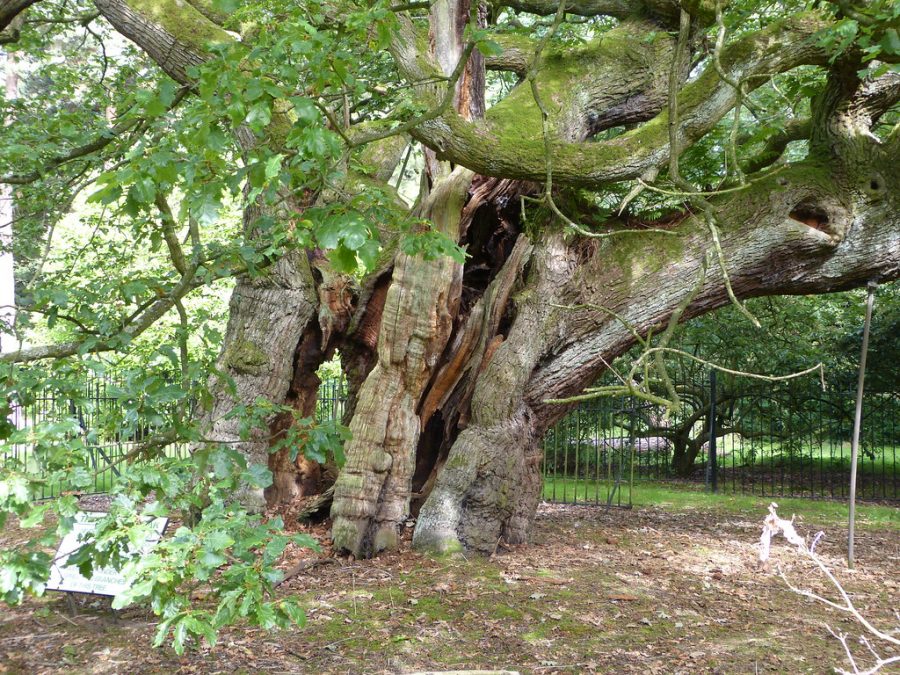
7 216
685 457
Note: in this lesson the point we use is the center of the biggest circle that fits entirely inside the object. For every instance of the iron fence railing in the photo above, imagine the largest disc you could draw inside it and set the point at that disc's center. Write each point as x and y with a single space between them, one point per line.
332 400
98 400
94 408
776 440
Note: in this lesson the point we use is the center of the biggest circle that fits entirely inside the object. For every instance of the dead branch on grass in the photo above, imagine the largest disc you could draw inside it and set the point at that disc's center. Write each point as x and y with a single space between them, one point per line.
772 525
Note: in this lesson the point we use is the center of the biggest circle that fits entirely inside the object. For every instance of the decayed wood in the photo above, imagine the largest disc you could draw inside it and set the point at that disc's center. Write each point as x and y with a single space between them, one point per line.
478 333
474 497
293 478
318 505
371 496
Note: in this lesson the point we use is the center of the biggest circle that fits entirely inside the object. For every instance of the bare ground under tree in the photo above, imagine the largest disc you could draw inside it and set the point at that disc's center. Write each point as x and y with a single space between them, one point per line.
643 591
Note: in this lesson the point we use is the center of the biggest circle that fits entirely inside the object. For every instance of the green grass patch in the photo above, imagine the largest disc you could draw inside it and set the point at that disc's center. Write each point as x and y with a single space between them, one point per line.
682 496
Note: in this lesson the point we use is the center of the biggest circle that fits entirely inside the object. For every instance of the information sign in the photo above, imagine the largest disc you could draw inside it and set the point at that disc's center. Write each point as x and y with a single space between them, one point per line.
104 581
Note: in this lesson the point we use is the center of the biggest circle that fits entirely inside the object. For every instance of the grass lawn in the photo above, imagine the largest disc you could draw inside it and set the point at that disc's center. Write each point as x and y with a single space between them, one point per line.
680 496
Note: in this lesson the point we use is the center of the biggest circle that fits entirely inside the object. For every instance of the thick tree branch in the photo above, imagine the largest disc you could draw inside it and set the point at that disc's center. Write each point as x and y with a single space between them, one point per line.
210 10
614 80
847 109
703 10
174 34
516 55
801 231
498 147
10 9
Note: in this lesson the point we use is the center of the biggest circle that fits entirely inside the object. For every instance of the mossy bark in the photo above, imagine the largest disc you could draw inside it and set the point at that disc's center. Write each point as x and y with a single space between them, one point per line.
487 489
495 146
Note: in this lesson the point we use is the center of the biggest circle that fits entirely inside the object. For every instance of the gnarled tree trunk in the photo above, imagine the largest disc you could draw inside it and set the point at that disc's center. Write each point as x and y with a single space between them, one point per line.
453 367
371 496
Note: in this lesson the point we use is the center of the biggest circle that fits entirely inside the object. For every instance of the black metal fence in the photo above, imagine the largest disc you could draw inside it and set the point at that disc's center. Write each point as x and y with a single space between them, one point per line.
785 440
95 407
773 440
332 400
99 401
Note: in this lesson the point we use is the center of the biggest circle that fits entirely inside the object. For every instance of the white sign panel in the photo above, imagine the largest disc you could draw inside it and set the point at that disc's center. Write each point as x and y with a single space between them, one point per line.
104 581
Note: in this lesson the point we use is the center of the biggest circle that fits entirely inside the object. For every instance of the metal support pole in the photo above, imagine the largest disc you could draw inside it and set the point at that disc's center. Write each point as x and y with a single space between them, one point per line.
857 420
713 467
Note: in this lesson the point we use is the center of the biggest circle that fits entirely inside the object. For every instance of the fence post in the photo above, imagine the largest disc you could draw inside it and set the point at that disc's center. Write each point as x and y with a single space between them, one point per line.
712 470
857 420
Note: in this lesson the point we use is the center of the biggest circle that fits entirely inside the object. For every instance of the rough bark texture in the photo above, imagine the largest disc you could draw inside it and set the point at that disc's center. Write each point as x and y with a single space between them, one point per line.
554 353
498 147
492 472
10 9
371 496
372 493
172 32
266 318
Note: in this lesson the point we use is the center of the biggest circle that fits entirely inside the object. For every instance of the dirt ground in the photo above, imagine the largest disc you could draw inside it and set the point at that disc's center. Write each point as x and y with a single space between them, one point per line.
640 591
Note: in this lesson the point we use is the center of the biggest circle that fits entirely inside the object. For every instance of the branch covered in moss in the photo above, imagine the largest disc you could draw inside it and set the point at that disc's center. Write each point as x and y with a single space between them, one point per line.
516 54
503 148
174 34
703 10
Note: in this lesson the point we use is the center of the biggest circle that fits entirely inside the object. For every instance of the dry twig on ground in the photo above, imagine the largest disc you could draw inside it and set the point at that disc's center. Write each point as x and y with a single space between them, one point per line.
774 524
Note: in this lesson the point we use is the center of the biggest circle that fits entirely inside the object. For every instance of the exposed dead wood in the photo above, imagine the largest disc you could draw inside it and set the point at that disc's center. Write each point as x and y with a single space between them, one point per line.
301 476
317 506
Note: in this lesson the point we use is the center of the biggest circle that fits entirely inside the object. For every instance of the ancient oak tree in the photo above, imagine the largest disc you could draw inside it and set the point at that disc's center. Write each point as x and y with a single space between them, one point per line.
604 164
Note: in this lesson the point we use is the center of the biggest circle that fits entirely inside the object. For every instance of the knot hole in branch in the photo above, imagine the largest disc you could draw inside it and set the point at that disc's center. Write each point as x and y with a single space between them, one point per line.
812 214
824 215
874 186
